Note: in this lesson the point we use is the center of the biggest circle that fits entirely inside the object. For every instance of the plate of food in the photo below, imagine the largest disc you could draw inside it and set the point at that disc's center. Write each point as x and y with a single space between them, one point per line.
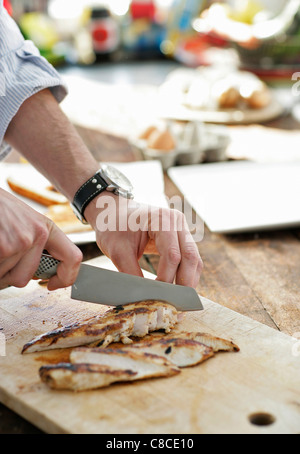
26 183
218 95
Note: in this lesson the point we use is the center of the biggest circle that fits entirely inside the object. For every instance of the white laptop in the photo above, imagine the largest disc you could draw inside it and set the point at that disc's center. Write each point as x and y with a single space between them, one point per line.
234 197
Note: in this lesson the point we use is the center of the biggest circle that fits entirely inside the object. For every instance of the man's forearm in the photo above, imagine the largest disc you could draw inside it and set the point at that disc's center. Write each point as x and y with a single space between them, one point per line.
45 137
43 134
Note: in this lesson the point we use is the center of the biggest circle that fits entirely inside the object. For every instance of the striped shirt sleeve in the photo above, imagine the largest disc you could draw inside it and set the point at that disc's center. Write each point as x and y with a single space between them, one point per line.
23 72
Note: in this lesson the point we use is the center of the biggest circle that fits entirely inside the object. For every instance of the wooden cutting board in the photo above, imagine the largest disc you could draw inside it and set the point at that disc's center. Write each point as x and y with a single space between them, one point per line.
255 391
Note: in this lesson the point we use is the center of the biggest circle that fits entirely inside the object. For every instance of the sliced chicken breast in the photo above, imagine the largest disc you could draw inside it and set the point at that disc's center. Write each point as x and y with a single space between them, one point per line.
216 343
82 377
93 368
115 325
143 364
181 352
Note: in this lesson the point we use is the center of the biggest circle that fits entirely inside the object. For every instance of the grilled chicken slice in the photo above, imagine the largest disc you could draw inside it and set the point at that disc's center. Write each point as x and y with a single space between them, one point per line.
145 365
181 352
216 343
115 325
82 377
93 368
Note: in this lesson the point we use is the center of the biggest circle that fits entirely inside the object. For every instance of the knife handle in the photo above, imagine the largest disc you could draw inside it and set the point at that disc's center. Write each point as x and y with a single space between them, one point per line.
47 267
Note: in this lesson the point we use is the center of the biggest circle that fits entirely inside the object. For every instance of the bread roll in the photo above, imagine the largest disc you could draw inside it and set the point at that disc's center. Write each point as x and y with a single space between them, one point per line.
65 219
43 196
259 98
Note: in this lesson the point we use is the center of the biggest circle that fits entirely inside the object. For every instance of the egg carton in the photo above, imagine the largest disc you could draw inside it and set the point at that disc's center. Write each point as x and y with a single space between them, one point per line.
195 143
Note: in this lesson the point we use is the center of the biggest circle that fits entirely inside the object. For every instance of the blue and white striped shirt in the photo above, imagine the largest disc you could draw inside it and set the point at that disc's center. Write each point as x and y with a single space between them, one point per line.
23 72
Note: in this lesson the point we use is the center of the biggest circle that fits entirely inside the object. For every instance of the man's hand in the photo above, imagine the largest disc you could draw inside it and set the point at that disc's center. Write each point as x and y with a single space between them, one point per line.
24 234
41 125
124 229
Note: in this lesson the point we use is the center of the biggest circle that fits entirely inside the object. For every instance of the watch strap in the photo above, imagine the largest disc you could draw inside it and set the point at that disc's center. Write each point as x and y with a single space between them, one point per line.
88 191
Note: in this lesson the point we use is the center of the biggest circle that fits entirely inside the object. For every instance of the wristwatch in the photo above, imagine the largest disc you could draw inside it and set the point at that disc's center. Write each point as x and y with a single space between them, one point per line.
108 178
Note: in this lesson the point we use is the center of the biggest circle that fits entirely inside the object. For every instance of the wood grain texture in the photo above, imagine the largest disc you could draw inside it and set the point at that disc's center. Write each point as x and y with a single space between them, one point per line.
255 275
216 397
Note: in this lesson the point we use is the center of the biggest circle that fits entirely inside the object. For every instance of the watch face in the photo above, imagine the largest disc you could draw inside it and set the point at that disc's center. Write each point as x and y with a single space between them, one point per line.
117 178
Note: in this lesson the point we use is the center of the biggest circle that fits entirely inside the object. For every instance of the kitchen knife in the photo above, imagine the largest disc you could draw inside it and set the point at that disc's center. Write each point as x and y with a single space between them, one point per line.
112 288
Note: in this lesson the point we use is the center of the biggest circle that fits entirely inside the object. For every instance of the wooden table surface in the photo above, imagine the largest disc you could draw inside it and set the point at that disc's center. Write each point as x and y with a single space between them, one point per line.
257 274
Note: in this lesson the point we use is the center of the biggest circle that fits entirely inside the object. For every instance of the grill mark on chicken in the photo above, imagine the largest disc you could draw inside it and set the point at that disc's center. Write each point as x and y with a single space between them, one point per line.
182 352
92 368
216 343
117 324
82 377
122 358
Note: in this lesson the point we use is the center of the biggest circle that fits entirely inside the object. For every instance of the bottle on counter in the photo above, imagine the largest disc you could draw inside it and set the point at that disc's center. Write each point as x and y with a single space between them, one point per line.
142 9
8 7
142 32
179 24
104 30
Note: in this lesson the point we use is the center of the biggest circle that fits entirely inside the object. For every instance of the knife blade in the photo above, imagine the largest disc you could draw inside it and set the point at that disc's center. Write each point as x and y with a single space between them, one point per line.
112 288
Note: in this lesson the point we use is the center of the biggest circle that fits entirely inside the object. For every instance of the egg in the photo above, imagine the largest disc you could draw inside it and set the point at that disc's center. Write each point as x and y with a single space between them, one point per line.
161 140
147 133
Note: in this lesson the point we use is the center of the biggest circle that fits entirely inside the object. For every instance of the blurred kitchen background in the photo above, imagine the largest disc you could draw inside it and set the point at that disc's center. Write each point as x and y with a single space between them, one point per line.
118 56
88 32
186 83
